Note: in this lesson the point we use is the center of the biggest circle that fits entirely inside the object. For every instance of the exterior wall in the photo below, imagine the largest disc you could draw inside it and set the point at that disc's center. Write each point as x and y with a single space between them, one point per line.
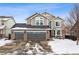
9 24
2 33
61 27
13 35
51 18
0 22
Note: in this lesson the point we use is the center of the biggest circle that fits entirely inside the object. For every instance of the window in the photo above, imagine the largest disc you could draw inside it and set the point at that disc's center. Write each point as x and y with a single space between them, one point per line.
57 24
37 22
41 22
58 32
50 23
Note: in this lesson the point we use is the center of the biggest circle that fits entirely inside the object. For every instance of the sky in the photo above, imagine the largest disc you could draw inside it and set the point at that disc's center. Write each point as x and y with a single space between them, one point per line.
21 11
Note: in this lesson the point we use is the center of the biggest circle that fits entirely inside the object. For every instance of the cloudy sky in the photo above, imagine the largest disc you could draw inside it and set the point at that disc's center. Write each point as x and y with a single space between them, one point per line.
20 11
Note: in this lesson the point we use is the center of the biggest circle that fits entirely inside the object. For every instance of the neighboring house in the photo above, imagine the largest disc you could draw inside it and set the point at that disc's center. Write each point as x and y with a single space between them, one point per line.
6 22
39 27
75 29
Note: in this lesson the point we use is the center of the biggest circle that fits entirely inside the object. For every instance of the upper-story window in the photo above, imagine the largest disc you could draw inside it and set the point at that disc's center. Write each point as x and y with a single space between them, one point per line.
39 21
50 23
57 23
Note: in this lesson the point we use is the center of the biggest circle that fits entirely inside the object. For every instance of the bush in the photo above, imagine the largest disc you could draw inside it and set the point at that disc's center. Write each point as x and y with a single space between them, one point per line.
71 37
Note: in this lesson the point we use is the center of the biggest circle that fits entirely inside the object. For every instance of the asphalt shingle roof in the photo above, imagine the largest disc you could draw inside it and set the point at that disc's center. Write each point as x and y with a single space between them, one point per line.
23 25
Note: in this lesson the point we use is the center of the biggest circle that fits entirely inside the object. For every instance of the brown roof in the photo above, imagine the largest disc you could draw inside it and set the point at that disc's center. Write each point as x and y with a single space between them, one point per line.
32 15
48 13
36 14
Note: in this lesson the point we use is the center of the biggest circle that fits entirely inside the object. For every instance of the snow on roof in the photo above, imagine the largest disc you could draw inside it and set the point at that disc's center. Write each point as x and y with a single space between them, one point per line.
19 28
2 26
5 19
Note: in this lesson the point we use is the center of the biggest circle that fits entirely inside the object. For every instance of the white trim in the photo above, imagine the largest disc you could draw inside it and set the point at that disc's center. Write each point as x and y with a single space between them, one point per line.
35 31
18 28
19 31
47 22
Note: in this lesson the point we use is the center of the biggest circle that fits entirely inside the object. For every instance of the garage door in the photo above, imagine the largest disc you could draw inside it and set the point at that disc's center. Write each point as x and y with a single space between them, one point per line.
36 35
19 35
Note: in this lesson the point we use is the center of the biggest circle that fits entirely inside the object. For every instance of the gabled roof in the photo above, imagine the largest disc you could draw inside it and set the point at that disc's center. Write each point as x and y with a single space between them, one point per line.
59 18
48 14
36 14
23 25
32 15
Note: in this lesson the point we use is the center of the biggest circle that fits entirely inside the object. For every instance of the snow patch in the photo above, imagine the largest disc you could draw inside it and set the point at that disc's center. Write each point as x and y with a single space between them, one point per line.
66 46
4 42
2 26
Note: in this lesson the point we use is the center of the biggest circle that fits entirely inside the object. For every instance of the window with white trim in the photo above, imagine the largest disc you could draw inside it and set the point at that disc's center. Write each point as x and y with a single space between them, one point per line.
57 23
39 21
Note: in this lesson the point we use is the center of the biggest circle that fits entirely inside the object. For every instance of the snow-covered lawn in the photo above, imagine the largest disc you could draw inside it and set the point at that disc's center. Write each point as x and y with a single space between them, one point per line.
65 46
4 42
59 46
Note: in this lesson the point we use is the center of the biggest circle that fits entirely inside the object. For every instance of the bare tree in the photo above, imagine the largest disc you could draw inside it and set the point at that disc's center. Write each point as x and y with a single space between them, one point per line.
74 17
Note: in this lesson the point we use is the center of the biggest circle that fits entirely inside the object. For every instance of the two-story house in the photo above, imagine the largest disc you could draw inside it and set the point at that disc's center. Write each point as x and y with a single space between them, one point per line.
6 22
38 27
